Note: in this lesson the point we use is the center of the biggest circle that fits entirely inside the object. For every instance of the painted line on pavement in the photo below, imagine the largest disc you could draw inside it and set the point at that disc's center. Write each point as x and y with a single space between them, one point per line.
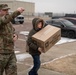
59 58
21 39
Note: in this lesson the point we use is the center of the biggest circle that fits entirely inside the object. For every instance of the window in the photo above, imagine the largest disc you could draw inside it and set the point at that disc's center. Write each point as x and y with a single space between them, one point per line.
73 21
58 24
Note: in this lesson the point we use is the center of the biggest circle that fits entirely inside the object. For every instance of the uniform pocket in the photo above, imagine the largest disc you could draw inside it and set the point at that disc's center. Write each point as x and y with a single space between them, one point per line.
1 57
8 43
1 43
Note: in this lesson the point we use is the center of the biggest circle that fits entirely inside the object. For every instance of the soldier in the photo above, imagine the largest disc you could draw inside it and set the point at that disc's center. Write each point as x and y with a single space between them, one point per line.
7 38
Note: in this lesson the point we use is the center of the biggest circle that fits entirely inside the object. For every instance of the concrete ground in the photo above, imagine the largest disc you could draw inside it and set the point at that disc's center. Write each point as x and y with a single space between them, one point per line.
55 52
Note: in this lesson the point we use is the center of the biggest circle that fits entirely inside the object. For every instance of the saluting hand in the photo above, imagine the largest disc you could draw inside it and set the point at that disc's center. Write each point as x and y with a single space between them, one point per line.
20 9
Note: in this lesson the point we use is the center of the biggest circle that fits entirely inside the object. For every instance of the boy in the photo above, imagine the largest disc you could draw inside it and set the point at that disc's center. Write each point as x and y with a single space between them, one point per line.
34 49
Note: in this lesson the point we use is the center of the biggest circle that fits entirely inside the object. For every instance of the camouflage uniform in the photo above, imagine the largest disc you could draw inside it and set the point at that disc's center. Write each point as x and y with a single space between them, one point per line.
7 55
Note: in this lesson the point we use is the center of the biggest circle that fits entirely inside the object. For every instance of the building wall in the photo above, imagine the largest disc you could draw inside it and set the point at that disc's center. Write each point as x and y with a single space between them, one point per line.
28 6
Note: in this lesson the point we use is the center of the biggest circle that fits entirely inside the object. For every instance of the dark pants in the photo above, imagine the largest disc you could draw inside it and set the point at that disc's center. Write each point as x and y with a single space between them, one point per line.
36 61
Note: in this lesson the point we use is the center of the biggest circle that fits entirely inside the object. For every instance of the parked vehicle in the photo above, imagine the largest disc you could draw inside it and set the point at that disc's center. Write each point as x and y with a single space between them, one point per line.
70 15
18 19
71 19
68 29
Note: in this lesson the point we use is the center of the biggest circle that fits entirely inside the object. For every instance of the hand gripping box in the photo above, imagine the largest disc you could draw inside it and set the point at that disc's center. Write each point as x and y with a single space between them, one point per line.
47 37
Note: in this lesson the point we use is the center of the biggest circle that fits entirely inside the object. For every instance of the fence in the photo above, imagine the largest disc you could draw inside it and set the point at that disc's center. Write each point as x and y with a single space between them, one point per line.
29 16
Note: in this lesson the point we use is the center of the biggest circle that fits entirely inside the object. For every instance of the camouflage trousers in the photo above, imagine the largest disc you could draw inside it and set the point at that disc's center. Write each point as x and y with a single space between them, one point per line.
8 64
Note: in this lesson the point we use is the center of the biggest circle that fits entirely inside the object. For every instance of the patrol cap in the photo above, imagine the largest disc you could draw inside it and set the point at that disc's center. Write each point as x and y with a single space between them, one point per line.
4 7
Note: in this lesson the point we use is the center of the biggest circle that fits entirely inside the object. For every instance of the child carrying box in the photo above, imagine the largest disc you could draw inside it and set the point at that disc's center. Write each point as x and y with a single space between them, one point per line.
34 48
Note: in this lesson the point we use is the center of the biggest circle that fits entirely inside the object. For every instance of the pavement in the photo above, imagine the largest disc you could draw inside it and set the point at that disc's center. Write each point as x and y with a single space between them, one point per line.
56 52
24 60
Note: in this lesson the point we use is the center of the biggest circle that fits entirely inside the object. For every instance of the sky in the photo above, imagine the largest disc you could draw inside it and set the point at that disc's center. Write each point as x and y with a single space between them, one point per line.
55 6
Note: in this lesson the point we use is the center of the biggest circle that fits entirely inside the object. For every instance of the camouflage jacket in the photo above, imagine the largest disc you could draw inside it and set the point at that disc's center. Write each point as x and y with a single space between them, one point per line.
6 33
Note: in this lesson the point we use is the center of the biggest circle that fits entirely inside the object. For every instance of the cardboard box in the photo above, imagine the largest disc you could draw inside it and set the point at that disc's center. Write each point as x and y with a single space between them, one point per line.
47 37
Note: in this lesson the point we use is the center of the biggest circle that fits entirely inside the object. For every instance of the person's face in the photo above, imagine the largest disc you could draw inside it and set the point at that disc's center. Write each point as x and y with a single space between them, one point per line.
39 25
4 12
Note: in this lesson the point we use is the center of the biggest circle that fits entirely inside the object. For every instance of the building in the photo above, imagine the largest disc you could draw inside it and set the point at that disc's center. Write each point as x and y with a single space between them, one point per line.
14 4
